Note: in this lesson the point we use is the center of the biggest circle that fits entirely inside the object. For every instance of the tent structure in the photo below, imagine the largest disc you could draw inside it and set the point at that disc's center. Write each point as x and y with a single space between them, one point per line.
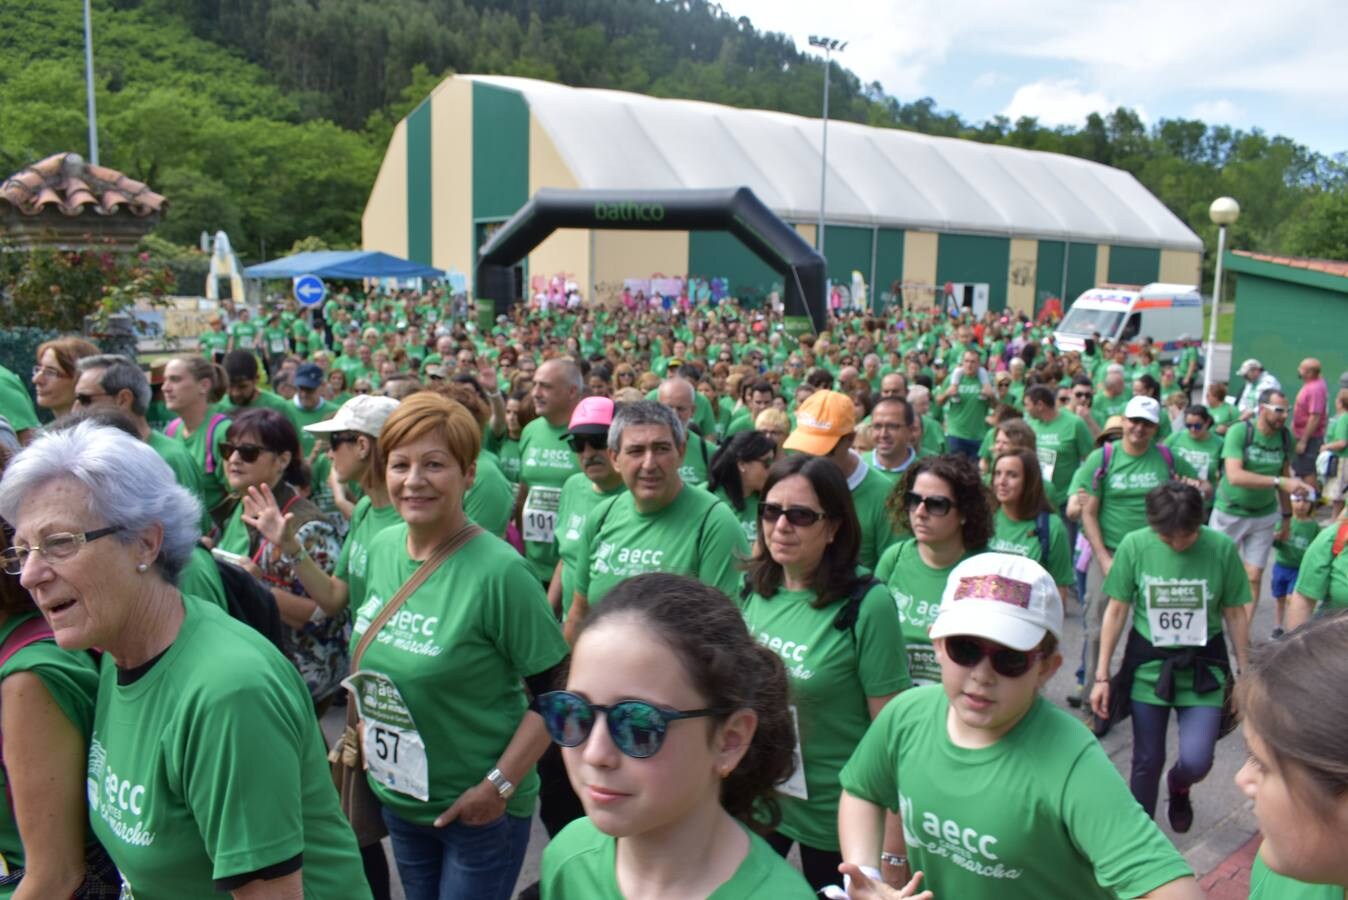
351 264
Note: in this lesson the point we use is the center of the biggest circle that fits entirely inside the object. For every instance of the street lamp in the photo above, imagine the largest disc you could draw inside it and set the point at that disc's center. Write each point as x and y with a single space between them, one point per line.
829 46
1223 212
89 83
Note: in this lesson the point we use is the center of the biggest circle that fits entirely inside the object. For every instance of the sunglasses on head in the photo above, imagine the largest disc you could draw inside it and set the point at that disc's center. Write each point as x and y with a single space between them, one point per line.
936 506
798 516
968 652
637 728
247 452
580 441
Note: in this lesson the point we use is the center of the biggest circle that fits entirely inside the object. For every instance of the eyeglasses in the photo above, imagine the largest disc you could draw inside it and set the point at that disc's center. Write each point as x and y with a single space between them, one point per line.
636 727
247 452
936 505
48 372
335 440
1195 426
54 548
580 441
968 652
1084 395
798 516
88 399
1276 410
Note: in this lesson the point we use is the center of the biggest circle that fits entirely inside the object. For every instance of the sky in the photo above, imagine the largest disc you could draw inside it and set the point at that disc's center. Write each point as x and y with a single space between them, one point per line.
1279 66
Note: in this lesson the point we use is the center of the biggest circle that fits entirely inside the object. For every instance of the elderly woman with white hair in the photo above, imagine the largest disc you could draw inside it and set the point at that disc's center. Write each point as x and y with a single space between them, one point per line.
206 770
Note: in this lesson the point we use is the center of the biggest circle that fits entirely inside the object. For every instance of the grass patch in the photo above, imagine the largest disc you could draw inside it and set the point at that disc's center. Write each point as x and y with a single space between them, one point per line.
1226 324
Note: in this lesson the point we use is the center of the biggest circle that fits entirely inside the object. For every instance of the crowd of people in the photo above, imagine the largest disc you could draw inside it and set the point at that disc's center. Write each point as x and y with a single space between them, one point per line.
845 557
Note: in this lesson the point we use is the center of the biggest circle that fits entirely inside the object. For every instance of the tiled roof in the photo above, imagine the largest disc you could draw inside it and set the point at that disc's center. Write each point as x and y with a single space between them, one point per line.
1328 266
67 183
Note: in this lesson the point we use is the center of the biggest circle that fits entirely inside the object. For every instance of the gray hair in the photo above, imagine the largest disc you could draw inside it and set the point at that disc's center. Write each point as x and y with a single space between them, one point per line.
644 412
917 392
120 374
569 370
129 485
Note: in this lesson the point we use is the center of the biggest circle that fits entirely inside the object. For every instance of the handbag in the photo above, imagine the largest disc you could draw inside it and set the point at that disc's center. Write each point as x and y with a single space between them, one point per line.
359 804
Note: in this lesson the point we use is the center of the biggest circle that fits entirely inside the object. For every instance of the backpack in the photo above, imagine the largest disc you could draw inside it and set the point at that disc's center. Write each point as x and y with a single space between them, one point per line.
251 603
1041 532
1251 427
1108 453
216 418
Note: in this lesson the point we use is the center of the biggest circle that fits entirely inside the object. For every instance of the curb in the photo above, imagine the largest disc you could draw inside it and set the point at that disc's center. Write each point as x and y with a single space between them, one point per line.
1230 879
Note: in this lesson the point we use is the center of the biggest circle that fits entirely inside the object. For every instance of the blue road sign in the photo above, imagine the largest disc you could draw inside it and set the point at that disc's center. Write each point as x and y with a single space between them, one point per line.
310 290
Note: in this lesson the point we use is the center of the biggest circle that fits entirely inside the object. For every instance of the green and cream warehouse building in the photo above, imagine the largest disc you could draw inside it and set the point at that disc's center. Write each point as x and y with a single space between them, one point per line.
903 209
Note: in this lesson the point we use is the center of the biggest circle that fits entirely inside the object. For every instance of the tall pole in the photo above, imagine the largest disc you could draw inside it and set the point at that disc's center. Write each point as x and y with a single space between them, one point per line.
1216 308
823 165
89 82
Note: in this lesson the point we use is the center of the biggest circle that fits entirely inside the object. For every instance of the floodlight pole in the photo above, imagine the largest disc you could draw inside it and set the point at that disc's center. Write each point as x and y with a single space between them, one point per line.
829 45
89 83
1224 211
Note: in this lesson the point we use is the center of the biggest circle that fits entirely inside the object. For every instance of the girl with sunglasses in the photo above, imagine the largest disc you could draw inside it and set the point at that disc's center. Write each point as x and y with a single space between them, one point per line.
674 728
737 474
1003 795
1196 443
835 629
943 504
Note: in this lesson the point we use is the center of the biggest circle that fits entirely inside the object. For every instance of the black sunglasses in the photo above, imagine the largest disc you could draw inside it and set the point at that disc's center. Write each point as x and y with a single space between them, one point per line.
247 452
580 441
636 727
798 516
937 506
968 652
1195 426
338 438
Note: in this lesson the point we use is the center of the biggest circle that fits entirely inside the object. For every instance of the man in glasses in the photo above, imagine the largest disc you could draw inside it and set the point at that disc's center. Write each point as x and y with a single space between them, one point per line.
678 394
1116 480
892 430
1253 501
826 426
658 524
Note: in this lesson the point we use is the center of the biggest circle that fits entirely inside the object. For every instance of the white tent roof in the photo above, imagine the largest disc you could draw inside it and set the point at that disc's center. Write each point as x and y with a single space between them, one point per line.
877 176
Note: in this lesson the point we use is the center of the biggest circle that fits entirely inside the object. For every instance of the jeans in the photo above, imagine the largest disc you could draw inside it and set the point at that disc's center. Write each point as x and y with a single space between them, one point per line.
459 862
1198 727
820 867
963 446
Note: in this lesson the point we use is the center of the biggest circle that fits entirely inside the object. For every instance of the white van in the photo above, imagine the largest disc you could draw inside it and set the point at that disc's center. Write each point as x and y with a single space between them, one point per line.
1170 314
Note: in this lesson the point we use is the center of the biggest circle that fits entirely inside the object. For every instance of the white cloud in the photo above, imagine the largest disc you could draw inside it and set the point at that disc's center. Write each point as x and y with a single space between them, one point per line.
989 80
1218 112
1060 102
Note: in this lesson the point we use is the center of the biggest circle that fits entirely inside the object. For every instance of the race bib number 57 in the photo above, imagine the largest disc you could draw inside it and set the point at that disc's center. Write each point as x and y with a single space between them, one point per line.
394 751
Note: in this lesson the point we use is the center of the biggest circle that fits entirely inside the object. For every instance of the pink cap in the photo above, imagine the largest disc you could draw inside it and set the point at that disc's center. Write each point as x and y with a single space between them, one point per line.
592 414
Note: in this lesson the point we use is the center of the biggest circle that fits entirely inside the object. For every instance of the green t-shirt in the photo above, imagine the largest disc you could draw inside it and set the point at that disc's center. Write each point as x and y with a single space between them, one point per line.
966 413
212 342
546 461
1061 446
214 484
1266 884
367 520
1204 456
747 517
1122 489
507 450
1022 539
1338 431
1177 601
1223 414
200 578
832 671
696 457
275 340
16 404
212 765
490 502
1105 406
917 589
877 529
1267 454
581 862
481 619
270 401
1324 576
325 410
244 335
72 681
1040 813
579 497
933 437
695 535
1300 535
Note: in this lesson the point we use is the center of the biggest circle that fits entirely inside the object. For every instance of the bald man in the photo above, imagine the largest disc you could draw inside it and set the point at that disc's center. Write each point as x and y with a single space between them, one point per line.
546 461
1309 417
678 394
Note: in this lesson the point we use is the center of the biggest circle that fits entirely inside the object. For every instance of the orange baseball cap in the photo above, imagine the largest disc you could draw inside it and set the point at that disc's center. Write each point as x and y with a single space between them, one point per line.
822 419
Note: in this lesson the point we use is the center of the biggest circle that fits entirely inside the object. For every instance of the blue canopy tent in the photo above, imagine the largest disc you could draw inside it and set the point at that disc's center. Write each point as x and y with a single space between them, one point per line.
349 264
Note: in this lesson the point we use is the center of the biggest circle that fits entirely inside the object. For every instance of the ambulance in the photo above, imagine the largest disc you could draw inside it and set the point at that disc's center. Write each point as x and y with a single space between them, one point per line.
1170 314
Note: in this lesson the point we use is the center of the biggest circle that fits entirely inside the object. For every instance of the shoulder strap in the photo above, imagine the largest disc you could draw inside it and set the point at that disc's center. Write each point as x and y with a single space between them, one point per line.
1340 539
1169 458
213 424
29 632
1107 451
171 429
846 620
442 553
1041 531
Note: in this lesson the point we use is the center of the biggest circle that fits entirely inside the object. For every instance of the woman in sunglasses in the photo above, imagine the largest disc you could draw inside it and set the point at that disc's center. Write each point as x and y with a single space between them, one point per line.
942 502
1182 581
674 727
1026 523
737 473
1004 796
261 453
836 631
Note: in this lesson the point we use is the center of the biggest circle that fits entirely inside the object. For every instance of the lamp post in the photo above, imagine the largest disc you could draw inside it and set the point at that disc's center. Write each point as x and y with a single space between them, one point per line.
829 46
89 83
1224 211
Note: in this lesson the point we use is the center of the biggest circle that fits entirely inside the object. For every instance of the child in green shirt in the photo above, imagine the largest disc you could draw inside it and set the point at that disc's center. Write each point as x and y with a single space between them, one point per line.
1287 561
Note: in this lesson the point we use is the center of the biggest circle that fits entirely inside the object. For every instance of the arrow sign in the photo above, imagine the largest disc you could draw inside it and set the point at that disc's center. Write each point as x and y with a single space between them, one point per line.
310 290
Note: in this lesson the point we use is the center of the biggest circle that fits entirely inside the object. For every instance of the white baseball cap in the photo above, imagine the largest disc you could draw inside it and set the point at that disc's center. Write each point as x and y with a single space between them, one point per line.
1143 408
1247 366
1001 597
365 413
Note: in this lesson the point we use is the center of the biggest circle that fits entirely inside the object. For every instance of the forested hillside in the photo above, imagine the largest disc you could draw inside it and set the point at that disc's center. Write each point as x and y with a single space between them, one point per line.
268 118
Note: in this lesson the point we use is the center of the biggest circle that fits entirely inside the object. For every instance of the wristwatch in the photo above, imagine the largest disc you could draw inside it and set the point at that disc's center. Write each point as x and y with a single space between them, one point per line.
504 786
